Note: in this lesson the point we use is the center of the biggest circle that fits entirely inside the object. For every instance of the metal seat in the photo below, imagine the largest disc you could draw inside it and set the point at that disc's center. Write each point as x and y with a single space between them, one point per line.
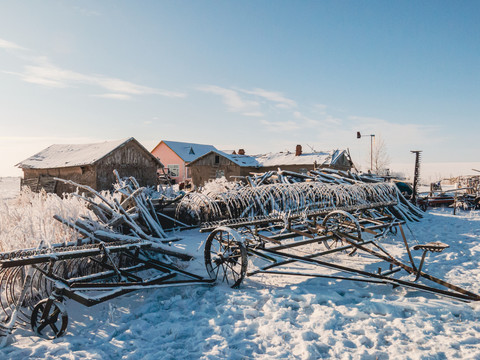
435 246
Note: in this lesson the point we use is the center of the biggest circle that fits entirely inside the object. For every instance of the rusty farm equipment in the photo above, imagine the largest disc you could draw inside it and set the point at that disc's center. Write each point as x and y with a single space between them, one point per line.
123 249
326 227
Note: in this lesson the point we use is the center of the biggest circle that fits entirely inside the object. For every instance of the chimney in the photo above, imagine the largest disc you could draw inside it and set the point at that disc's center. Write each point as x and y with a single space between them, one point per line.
298 150
241 151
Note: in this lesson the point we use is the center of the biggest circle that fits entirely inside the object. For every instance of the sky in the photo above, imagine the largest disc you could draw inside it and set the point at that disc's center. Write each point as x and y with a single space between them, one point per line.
259 75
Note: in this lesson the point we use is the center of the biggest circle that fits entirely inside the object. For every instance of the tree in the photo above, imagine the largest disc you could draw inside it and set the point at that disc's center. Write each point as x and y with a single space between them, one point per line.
380 158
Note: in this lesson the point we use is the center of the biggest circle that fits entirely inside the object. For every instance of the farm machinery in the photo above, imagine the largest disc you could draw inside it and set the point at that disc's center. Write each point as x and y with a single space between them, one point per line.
310 229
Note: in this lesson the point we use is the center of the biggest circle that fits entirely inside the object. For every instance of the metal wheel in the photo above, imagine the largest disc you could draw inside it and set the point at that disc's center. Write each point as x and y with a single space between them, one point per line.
341 221
226 256
49 319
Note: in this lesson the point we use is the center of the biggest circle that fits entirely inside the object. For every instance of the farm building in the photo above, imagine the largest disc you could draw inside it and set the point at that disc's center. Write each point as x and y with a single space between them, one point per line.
176 155
216 164
89 164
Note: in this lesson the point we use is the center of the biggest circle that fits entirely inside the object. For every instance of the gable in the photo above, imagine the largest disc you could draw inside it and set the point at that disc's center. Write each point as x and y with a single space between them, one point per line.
188 152
72 155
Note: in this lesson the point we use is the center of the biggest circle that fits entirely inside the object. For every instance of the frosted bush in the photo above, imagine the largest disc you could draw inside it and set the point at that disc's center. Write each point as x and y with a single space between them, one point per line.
28 220
219 186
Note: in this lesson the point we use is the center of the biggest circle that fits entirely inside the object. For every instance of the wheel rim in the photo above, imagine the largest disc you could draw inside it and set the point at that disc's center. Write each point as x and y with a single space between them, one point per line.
49 319
340 221
225 257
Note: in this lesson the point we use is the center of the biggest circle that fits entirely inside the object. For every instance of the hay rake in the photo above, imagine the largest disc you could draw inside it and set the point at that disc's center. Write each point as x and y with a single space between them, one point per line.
330 240
35 283
123 249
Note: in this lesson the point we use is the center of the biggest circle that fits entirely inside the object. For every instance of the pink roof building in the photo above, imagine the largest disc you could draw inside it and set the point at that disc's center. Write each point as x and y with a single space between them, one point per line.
175 155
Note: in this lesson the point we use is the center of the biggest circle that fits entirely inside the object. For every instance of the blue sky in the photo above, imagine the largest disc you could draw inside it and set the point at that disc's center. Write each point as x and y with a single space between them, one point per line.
259 75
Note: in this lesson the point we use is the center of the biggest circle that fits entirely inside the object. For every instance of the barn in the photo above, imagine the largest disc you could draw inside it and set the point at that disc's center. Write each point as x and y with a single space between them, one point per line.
216 164
89 164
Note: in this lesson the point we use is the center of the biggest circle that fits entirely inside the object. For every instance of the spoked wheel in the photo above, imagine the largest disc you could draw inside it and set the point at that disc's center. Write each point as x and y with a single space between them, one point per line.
344 222
226 256
49 319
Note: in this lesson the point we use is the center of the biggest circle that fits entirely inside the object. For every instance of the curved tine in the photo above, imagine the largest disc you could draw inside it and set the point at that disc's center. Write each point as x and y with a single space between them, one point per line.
225 200
3 290
12 287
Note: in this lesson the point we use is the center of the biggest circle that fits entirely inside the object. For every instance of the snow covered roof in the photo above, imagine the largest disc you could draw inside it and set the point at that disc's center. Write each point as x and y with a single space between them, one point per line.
242 160
282 158
288 158
189 151
66 155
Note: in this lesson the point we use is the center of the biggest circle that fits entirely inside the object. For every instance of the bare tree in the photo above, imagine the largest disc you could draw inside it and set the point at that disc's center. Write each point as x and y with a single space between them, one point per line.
380 158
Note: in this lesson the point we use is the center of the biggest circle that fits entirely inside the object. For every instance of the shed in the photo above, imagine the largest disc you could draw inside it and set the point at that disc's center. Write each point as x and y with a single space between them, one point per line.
89 164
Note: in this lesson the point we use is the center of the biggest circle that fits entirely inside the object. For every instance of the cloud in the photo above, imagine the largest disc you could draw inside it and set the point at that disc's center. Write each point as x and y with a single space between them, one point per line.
42 72
231 98
4 44
273 96
114 96
280 126
249 102
403 133
254 114
46 74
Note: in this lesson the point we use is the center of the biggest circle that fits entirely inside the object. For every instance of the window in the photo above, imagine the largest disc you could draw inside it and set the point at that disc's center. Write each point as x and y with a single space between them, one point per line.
217 159
173 170
191 152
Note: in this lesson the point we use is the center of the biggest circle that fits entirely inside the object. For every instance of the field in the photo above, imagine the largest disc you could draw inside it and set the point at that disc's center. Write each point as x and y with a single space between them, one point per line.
269 317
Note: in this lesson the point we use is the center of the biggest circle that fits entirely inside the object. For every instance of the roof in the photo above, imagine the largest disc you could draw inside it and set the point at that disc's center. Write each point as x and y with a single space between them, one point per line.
282 158
188 151
289 158
68 155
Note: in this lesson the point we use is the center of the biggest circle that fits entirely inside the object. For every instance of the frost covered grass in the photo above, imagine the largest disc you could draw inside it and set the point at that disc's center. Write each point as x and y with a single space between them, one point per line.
27 220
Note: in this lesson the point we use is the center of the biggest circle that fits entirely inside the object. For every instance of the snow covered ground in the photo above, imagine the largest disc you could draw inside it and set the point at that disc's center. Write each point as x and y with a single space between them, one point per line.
9 187
278 317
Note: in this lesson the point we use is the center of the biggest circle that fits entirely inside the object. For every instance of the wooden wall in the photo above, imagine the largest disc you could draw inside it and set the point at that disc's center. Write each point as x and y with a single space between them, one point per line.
205 169
129 160
37 179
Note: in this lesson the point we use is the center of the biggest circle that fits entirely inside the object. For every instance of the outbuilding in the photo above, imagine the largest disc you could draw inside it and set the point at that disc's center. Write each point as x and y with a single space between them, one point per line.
176 155
217 164
89 164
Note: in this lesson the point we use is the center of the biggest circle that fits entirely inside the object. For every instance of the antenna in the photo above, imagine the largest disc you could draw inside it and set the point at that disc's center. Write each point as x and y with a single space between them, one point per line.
311 147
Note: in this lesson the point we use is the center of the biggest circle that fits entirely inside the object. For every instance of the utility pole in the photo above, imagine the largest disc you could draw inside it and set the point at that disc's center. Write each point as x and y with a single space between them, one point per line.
416 176
371 147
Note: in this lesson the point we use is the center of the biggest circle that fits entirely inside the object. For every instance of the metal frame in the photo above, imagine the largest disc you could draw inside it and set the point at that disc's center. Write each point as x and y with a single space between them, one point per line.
114 269
359 235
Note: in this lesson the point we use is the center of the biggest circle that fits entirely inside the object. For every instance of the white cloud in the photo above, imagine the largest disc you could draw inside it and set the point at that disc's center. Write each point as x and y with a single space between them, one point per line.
114 96
4 44
404 133
41 71
254 114
50 75
273 96
280 126
231 98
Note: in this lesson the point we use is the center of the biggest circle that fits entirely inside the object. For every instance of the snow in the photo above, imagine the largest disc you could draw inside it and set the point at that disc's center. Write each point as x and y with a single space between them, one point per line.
285 317
288 158
9 187
65 155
